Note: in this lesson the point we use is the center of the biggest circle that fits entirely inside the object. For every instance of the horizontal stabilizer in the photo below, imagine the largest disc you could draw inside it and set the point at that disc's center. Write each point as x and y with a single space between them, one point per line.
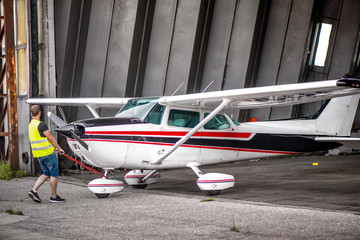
348 141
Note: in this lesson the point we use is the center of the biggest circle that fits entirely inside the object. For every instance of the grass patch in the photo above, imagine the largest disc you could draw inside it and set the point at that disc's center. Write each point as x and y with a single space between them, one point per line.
247 230
65 178
19 213
207 200
11 212
6 173
234 228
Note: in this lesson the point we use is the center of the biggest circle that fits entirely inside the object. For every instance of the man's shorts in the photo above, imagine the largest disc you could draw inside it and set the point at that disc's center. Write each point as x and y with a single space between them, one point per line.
49 165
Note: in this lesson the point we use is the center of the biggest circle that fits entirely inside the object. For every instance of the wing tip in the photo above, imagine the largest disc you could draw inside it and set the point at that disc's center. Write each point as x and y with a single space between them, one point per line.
348 82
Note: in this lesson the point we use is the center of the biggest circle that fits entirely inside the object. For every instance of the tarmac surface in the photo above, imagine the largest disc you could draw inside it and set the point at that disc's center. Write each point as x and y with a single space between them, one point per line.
281 198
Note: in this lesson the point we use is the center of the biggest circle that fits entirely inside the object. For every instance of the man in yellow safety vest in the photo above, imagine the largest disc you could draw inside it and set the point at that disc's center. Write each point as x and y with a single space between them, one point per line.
43 145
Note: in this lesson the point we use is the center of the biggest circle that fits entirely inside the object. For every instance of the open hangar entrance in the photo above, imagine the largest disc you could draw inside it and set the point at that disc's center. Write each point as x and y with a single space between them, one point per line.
148 48
127 48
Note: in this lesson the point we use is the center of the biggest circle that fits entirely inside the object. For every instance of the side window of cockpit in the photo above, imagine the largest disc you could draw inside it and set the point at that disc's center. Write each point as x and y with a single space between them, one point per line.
181 118
155 115
236 123
216 123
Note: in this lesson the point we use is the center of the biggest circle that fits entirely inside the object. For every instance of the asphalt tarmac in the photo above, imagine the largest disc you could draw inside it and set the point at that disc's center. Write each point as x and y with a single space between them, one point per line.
282 198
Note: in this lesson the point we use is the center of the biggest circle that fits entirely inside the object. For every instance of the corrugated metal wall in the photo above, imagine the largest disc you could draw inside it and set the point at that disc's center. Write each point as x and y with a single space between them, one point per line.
117 48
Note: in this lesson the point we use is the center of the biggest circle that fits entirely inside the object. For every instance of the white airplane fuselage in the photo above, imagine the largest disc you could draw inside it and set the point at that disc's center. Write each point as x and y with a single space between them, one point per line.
138 145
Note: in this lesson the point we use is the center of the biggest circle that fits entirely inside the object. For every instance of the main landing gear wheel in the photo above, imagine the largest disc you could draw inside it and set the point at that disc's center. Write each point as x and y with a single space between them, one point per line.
212 183
102 195
143 186
139 179
212 192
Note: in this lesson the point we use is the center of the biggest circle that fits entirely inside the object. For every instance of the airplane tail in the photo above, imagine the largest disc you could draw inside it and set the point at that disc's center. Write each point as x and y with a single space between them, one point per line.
338 116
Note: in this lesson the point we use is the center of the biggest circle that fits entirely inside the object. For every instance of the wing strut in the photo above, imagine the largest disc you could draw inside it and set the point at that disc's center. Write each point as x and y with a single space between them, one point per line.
93 111
182 140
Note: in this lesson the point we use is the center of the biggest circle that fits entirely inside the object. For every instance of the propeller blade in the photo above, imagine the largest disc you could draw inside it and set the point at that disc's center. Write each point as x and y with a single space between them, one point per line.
58 121
82 143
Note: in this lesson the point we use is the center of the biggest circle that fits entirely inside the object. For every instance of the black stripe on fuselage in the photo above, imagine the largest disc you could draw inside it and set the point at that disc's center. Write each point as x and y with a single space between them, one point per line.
272 142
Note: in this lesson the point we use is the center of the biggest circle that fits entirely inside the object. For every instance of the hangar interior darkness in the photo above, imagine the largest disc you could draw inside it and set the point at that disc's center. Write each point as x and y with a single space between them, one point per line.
127 48
148 48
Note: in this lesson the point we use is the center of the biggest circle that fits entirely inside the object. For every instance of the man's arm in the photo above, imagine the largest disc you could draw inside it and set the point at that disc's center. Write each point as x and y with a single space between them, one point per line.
53 141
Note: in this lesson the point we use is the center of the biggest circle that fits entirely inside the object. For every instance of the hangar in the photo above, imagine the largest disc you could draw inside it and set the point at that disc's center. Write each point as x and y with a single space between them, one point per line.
127 48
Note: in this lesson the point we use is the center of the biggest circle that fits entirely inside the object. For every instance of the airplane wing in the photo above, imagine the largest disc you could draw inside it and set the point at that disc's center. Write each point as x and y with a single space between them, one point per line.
279 95
259 97
94 102
91 103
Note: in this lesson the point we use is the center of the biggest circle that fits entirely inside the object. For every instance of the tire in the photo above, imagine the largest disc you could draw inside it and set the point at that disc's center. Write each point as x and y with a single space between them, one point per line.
142 186
212 192
102 195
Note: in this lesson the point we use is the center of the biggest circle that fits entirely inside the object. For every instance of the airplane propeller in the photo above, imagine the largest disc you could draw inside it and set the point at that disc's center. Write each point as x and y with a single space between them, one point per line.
82 143
58 121
67 129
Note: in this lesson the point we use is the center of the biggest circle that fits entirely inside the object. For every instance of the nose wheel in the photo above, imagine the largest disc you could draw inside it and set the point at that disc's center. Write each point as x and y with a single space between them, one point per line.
103 187
139 186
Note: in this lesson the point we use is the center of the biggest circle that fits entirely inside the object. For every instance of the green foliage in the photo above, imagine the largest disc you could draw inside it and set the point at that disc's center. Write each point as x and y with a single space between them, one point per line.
19 213
11 212
234 228
20 173
65 178
247 230
6 173
207 200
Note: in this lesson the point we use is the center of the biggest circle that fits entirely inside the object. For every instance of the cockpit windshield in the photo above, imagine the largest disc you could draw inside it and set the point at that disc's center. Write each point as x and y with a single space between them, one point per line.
137 108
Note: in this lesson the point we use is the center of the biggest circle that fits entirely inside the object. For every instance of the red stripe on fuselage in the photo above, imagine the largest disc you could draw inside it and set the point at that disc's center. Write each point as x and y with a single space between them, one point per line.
190 146
171 134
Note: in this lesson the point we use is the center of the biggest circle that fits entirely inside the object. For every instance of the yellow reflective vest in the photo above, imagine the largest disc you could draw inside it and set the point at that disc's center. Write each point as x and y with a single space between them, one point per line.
40 146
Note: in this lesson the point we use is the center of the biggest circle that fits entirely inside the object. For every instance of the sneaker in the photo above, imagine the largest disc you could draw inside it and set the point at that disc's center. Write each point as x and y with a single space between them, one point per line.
57 199
34 196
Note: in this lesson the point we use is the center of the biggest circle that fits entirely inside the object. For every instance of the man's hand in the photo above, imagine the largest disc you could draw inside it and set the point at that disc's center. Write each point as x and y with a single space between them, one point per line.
60 150
54 142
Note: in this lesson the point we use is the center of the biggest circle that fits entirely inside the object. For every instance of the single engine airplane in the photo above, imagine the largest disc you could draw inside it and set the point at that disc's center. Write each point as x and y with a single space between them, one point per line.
192 130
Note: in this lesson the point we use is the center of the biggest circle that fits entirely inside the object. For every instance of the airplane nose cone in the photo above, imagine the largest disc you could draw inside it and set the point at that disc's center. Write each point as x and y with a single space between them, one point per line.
69 129
65 130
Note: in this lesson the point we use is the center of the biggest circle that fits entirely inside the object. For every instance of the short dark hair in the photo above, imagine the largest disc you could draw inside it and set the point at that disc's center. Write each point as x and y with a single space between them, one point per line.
35 110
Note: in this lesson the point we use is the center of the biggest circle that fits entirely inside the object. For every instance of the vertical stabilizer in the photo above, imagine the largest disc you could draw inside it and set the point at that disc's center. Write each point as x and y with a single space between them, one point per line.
338 116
